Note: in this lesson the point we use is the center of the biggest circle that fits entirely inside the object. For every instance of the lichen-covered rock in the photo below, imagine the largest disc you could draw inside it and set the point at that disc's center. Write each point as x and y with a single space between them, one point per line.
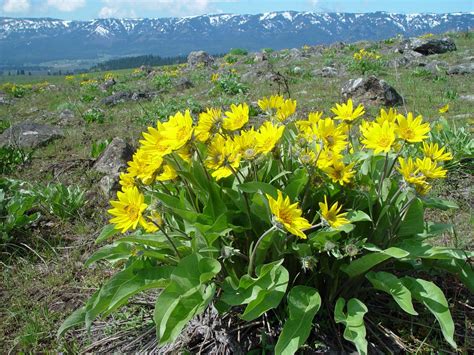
371 91
29 135
461 69
200 58
114 158
428 46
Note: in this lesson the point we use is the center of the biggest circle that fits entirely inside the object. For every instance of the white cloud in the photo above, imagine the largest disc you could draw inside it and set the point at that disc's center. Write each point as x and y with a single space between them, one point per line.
128 8
16 5
66 5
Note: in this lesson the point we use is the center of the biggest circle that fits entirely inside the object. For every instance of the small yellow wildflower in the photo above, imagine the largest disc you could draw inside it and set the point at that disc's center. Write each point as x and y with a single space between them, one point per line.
127 211
214 77
247 144
268 136
237 117
412 129
223 157
340 173
379 137
390 116
169 173
430 168
287 109
433 152
288 214
209 122
346 111
126 180
410 172
268 104
331 215
444 109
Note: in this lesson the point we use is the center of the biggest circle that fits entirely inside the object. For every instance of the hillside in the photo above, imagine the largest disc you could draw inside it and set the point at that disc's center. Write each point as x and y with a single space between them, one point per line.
41 40
42 261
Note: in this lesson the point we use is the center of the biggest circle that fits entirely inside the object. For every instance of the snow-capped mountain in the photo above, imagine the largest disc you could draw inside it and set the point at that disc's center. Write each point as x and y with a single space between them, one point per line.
35 40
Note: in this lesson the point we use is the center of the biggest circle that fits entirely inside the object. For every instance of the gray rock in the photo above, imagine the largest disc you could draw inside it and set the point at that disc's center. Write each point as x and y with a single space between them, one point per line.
123 96
114 158
297 70
146 69
428 46
4 100
260 57
436 66
183 84
29 135
107 84
109 184
461 69
371 91
200 58
326 72
67 117
469 98
294 53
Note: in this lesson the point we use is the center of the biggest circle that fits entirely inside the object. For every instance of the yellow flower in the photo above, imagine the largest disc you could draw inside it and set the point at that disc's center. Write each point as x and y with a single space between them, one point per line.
379 137
430 168
332 136
331 215
128 209
444 109
410 172
154 141
126 180
178 130
328 157
144 165
223 157
433 152
268 104
289 215
412 129
286 110
307 156
389 116
346 111
268 136
169 173
246 143
236 117
209 122
214 77
340 173
313 117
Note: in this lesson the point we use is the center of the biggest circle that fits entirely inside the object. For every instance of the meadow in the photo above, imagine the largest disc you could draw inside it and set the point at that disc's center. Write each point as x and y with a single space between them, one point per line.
350 279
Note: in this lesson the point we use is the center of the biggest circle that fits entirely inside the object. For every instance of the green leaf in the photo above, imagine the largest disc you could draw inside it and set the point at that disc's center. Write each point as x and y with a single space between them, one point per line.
413 223
390 284
75 319
353 321
112 253
460 268
303 304
433 298
257 186
296 184
185 296
435 202
368 261
358 216
107 232
261 293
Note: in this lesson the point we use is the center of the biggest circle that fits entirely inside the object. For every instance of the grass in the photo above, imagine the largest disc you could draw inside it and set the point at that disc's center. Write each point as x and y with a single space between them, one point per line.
41 288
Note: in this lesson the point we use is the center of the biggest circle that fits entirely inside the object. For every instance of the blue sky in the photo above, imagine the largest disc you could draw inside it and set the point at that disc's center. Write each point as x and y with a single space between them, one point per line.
88 9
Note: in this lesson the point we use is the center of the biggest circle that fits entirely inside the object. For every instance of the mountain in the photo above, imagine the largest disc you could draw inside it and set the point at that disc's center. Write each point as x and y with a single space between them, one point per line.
36 40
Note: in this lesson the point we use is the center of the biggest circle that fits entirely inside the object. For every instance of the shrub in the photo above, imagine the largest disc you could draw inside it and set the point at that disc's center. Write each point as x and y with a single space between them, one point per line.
293 216
94 115
60 200
162 82
230 84
364 62
230 59
238 51
16 203
11 158
4 124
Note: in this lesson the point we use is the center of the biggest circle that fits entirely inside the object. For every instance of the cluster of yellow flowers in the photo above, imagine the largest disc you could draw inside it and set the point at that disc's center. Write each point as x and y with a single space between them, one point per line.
321 144
363 54
88 82
108 76
69 77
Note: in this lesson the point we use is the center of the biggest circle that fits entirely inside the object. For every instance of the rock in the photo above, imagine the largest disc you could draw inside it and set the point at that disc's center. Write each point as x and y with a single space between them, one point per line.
436 66
294 53
297 70
114 158
123 96
326 72
183 84
461 69
371 91
200 58
428 46
107 84
338 46
66 117
29 135
4 99
146 69
260 57
109 184
469 98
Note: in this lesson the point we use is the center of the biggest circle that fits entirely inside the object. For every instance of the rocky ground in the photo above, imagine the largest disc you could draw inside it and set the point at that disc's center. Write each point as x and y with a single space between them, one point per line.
60 122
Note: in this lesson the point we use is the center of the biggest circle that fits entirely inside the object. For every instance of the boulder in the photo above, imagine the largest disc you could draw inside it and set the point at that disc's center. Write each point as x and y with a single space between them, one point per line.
436 66
469 98
183 84
326 72
123 96
4 100
29 135
461 69
67 117
107 84
109 185
260 57
428 46
371 91
114 158
200 58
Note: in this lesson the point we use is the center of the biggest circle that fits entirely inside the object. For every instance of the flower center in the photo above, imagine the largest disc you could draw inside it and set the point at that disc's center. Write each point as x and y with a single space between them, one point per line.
132 211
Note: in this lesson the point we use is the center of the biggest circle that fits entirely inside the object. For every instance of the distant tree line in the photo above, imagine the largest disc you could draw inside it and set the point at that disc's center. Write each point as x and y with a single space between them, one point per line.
134 62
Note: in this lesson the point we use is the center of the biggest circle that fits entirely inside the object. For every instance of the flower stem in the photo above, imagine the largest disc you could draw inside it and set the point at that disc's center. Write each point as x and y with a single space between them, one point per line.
254 249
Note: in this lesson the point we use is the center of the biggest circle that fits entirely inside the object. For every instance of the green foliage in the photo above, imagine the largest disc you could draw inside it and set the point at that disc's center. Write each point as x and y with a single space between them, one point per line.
353 321
421 73
16 204
60 200
4 124
98 147
231 59
162 82
11 158
238 51
94 115
230 85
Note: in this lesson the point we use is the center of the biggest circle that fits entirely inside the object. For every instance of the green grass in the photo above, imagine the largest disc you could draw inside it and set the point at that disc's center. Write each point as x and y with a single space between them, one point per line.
39 295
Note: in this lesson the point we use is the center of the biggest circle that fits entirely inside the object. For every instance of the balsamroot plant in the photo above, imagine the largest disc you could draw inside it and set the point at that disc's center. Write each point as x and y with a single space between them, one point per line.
278 212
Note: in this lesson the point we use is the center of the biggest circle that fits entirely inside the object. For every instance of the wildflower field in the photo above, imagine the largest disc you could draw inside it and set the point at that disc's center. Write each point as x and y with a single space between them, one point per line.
259 211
